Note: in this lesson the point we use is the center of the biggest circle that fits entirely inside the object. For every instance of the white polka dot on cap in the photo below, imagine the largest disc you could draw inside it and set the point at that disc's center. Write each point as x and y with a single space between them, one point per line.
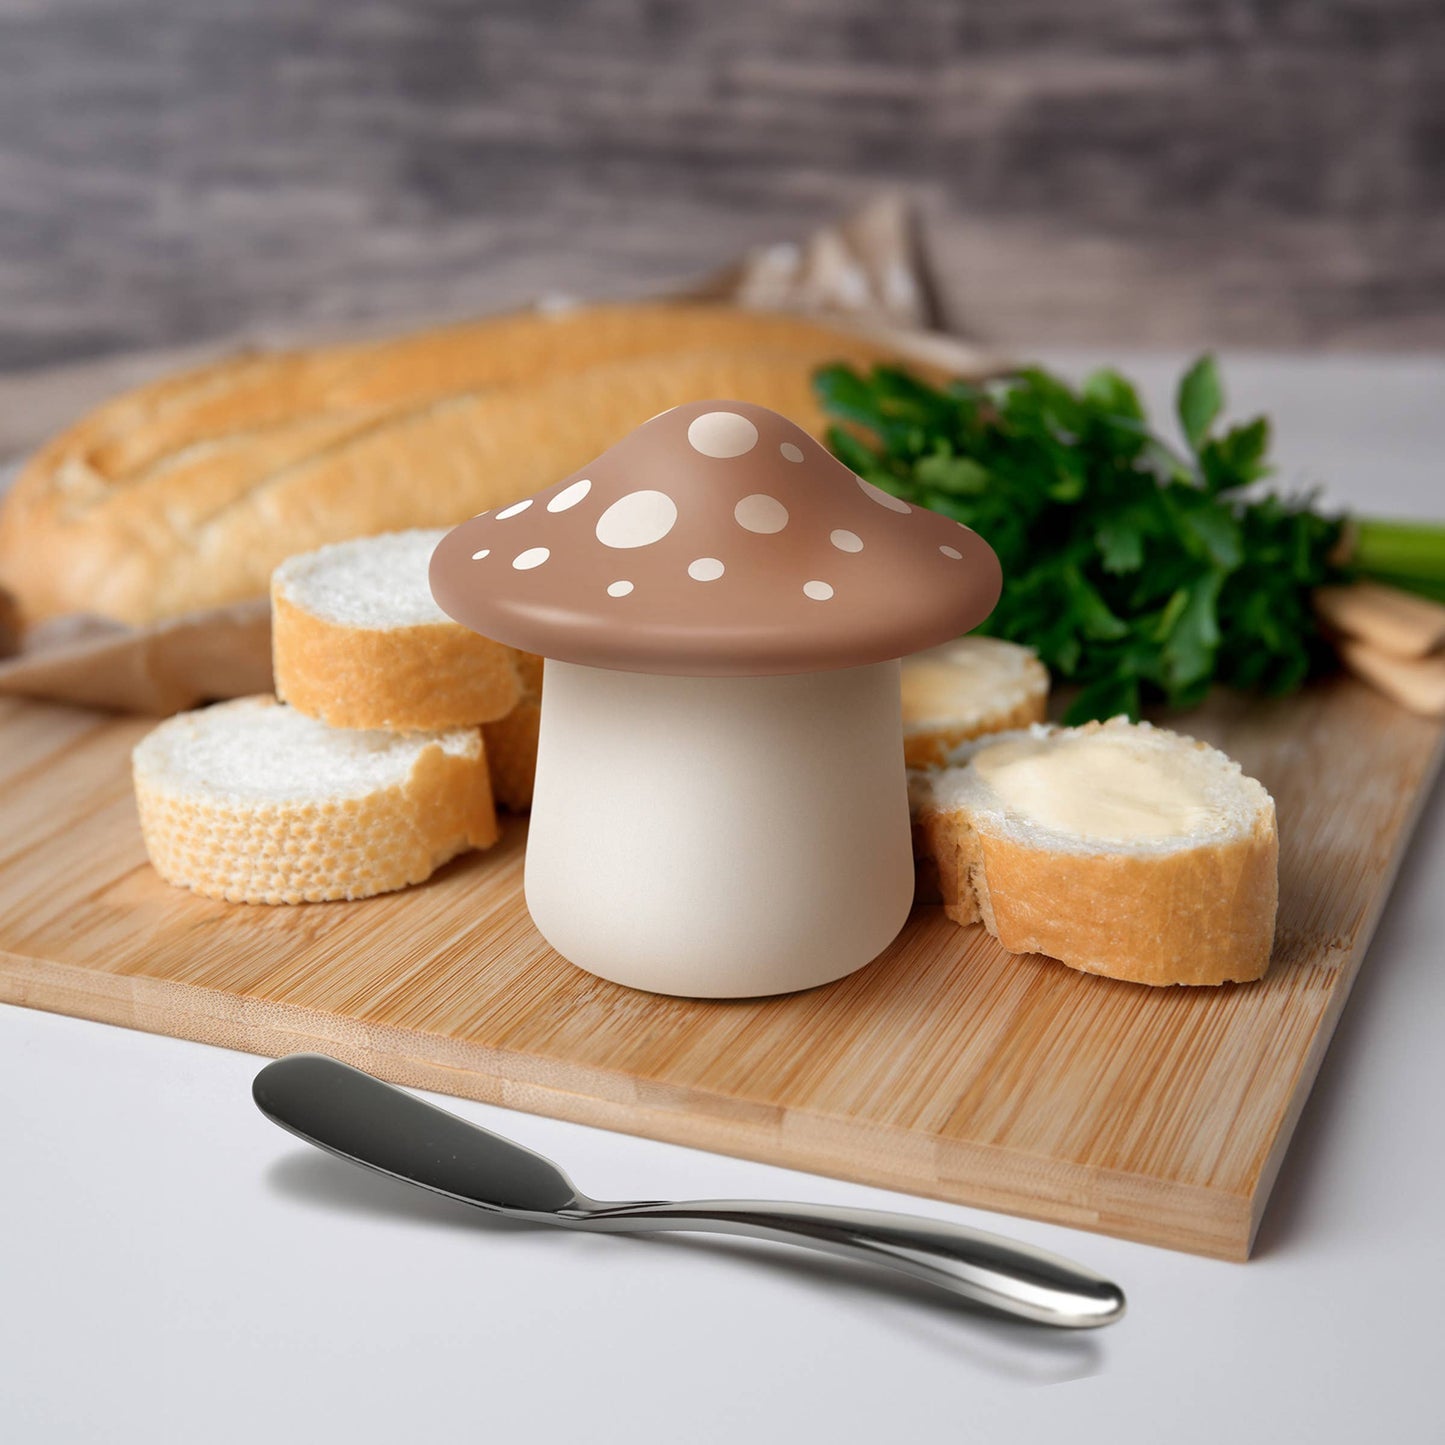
884 499
637 520
818 591
846 541
722 434
570 496
532 557
514 509
705 569
761 513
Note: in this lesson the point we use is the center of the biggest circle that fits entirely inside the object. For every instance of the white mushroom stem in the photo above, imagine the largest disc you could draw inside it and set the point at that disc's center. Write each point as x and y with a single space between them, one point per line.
720 837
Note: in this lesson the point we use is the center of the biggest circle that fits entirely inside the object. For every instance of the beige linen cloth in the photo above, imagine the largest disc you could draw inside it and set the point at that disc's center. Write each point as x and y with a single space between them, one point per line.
869 268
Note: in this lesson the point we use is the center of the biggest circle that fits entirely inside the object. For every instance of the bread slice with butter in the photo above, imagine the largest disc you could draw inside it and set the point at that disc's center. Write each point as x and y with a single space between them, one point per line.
358 642
253 802
1118 848
966 688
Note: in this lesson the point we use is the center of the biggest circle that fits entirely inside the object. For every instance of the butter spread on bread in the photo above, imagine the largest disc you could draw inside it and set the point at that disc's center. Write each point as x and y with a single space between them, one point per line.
1102 788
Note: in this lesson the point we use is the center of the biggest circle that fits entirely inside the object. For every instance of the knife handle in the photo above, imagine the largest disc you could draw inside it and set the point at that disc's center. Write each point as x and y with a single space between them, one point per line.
986 1269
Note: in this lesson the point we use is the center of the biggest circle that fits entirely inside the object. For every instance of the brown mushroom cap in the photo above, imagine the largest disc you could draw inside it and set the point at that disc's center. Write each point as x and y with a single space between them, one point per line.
718 539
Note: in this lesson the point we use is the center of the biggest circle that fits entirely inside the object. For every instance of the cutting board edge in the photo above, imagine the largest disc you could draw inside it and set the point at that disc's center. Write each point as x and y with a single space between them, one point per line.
860 1153
1350 967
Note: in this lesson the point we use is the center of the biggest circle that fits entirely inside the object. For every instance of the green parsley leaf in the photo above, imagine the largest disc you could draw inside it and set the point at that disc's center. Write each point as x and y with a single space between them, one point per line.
1111 393
1120 540
1201 399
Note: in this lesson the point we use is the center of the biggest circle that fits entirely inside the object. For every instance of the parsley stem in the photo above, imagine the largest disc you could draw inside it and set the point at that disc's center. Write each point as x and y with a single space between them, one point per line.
1407 554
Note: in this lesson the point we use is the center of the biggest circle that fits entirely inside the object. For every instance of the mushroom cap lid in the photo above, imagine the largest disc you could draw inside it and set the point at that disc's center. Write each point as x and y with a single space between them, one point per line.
717 539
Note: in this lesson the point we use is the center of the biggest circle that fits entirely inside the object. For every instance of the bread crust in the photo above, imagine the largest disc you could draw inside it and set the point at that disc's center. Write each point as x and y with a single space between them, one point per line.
512 754
253 393
10 625
512 741
423 678
320 850
1202 915
186 494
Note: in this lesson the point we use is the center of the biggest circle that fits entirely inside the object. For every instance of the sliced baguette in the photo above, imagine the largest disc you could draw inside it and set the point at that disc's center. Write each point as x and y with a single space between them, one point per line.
253 802
1385 619
964 689
1416 683
1192 904
358 642
512 741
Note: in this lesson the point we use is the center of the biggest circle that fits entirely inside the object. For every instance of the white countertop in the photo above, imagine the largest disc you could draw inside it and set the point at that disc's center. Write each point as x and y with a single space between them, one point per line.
176 1268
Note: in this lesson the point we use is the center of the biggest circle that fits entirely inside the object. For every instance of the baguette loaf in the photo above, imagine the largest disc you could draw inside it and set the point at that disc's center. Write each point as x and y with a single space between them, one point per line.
1117 848
358 642
964 689
255 394
252 802
188 493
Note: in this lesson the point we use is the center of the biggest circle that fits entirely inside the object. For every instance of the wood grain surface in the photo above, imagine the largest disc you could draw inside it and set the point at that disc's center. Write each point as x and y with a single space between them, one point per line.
945 1068
1146 171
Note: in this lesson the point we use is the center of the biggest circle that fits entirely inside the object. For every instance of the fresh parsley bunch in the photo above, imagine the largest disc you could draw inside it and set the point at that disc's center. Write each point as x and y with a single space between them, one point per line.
1137 573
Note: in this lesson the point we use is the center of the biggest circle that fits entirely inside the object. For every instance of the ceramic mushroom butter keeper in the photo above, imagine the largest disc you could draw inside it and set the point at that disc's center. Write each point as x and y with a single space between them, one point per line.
720 808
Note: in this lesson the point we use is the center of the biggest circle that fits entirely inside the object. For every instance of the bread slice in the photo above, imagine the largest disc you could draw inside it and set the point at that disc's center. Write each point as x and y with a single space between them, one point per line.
1118 848
1416 683
254 802
358 642
512 740
965 688
1385 619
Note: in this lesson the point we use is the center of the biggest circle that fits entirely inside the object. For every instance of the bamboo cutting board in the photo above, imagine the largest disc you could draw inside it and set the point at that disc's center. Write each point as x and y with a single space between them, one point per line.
946 1068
